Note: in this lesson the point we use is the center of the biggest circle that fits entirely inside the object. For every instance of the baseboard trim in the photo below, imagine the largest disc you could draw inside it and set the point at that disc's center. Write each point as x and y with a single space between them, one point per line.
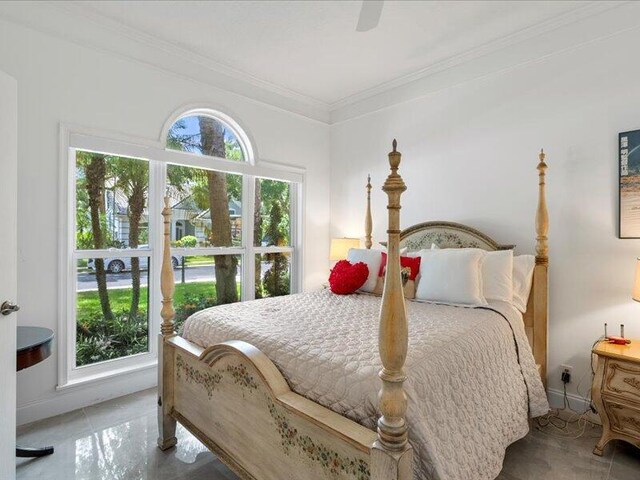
84 395
578 403
556 399
100 391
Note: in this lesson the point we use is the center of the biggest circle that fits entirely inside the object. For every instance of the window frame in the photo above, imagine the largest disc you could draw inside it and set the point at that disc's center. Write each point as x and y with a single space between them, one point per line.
73 138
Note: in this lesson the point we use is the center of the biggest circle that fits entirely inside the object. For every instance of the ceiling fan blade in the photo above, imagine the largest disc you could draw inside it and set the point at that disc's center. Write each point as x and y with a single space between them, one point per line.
369 15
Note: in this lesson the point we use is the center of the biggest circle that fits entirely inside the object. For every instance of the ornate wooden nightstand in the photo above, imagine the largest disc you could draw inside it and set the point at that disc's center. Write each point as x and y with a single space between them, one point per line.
616 392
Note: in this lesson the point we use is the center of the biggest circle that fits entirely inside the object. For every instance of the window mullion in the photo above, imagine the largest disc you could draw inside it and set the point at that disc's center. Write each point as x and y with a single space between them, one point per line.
157 189
273 249
119 253
295 194
190 251
248 264
67 342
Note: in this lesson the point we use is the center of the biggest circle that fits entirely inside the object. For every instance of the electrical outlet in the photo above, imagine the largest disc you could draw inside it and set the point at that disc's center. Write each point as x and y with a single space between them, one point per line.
566 373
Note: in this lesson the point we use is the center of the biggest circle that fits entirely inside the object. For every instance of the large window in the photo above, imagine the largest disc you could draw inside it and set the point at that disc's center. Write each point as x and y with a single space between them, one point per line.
111 256
234 236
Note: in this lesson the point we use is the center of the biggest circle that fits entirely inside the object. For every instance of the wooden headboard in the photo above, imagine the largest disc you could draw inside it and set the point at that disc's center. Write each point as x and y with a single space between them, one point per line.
447 235
456 235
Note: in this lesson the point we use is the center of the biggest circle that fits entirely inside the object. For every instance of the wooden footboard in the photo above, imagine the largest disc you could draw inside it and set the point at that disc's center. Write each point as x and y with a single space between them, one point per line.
234 399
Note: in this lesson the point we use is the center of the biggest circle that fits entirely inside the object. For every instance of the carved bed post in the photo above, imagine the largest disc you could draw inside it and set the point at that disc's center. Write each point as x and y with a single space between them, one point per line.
540 277
166 423
391 454
368 222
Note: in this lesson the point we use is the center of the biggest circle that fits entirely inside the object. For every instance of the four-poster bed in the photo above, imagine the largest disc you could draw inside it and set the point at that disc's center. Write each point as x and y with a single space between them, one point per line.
234 398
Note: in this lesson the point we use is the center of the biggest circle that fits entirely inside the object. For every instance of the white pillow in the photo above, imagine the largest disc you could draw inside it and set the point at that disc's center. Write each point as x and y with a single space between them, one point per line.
373 259
497 275
451 276
523 266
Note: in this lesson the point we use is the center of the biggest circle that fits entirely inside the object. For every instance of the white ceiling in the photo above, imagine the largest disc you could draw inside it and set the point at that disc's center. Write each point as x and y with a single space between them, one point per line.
313 49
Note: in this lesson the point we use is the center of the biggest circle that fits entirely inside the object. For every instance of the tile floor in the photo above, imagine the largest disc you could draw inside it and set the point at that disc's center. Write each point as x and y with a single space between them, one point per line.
116 440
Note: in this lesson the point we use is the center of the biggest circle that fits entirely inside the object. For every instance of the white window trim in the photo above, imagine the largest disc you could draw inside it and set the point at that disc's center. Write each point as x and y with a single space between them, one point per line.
74 138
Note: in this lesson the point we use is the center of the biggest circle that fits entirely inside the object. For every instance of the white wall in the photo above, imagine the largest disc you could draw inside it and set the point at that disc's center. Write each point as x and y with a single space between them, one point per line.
59 81
469 155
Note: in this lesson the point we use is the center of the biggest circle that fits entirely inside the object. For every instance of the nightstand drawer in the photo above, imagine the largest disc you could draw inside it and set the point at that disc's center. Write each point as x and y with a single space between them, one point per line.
624 418
622 378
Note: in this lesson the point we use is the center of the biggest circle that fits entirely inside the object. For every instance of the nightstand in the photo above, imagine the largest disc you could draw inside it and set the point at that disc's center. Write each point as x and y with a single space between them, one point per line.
616 392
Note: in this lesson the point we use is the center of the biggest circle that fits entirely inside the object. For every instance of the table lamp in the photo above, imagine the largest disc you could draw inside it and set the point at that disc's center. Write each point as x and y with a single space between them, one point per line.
340 247
635 294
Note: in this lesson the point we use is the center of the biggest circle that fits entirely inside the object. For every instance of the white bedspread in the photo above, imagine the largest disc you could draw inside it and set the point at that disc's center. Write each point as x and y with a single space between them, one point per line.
472 381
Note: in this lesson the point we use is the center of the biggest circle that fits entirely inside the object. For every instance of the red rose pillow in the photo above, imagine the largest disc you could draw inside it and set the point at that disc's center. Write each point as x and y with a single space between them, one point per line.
346 278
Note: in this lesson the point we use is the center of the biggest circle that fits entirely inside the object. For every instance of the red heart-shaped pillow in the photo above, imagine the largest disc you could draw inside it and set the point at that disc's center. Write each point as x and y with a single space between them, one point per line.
346 278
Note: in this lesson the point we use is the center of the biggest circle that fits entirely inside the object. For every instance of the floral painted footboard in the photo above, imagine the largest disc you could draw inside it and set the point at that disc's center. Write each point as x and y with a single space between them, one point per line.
234 394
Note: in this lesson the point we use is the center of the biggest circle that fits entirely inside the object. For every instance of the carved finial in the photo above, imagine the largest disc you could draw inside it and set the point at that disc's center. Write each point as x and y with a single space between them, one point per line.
368 222
542 157
542 216
394 161
395 144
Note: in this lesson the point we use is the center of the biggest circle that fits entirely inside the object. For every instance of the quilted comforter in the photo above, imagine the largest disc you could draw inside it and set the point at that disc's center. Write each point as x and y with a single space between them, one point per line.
472 380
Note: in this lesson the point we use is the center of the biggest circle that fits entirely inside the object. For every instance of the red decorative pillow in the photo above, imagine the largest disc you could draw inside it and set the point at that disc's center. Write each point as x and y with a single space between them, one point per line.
409 269
409 265
346 278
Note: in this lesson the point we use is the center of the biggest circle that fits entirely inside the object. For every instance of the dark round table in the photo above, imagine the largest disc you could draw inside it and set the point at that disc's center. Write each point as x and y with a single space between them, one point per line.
33 346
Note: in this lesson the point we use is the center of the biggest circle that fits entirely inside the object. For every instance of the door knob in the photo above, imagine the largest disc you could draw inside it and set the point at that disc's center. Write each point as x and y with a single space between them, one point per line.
7 308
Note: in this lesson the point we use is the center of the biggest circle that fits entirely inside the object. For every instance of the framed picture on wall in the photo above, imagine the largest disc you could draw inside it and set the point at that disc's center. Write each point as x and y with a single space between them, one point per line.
629 165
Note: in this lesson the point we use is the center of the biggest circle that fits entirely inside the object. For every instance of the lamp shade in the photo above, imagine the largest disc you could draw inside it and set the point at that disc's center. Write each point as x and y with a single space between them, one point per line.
636 283
340 247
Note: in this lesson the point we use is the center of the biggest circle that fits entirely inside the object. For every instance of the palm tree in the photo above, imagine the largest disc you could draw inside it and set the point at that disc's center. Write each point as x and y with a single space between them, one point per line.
131 177
226 266
257 236
276 279
212 190
95 171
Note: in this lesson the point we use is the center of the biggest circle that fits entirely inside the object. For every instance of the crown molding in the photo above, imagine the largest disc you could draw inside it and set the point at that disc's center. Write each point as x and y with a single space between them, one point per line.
595 22
76 8
72 22
527 33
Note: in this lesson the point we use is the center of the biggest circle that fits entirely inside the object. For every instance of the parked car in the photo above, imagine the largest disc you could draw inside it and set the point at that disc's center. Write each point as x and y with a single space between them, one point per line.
121 264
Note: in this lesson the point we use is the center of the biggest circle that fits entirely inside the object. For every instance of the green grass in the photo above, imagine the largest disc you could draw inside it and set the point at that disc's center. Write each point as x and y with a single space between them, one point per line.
99 340
198 260
88 303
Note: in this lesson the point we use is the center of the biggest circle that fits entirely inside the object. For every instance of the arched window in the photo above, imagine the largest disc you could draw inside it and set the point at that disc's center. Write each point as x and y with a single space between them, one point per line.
209 133
235 234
